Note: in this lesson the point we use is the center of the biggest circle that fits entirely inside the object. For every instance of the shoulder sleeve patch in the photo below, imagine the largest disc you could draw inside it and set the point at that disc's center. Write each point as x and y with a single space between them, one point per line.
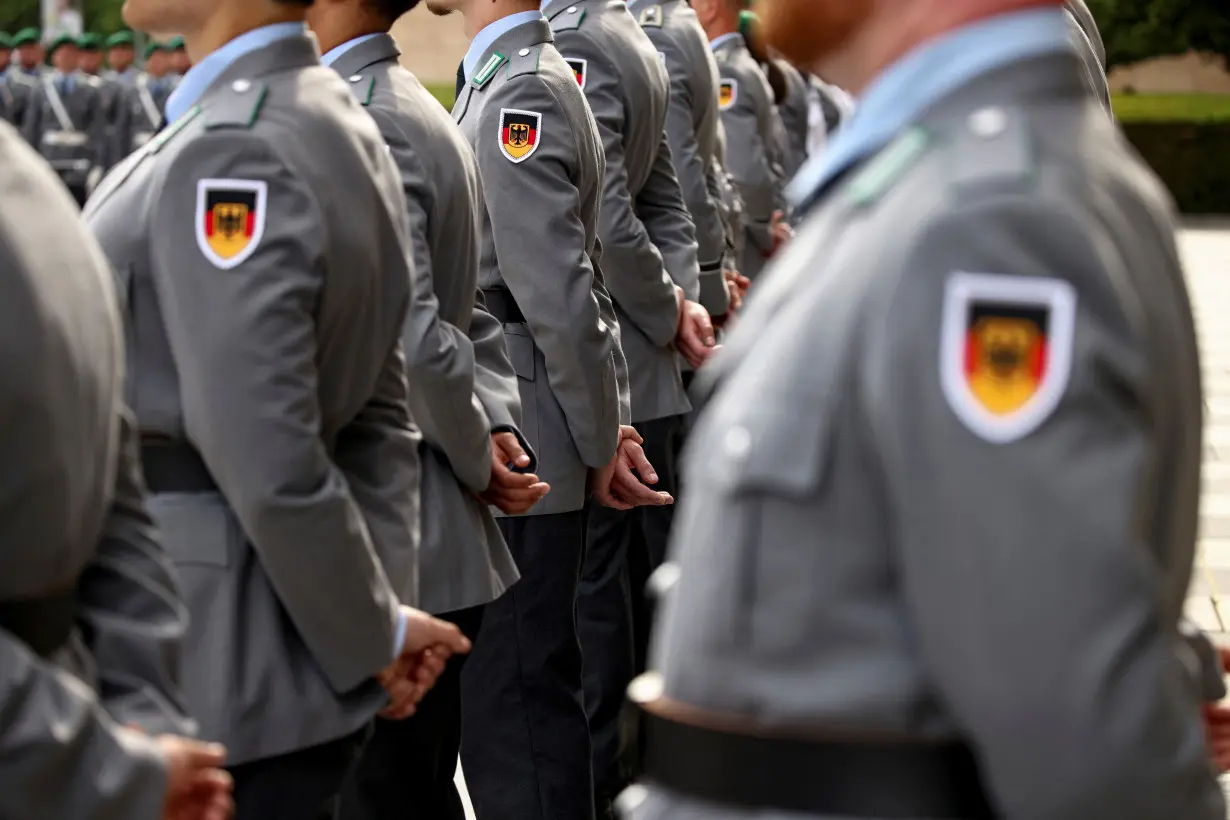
524 62
363 88
580 68
238 106
652 17
520 133
728 93
569 19
230 219
1006 351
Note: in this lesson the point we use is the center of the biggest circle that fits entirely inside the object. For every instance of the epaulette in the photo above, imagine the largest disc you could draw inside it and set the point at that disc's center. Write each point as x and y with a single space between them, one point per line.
569 19
488 69
238 106
721 56
524 61
992 146
363 88
888 167
652 17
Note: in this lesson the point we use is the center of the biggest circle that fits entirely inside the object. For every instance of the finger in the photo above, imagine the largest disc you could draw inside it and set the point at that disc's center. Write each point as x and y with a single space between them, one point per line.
629 433
704 328
203 755
626 487
513 451
607 500
640 462
449 636
500 473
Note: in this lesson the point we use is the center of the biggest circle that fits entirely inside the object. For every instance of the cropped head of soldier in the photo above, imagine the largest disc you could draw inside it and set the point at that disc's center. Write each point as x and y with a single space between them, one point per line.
180 61
6 51
64 55
339 21
29 49
206 25
90 58
121 52
480 13
157 60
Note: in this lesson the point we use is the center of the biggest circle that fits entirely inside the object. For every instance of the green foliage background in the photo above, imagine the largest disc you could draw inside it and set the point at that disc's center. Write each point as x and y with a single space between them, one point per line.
100 15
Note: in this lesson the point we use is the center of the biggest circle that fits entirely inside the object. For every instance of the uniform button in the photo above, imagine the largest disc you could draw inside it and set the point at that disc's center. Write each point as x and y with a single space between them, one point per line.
240 86
573 10
989 122
525 52
356 78
738 442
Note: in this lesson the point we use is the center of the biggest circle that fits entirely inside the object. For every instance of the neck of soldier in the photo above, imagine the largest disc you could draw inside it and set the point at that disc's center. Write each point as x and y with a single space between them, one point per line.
337 23
723 23
481 13
234 19
889 37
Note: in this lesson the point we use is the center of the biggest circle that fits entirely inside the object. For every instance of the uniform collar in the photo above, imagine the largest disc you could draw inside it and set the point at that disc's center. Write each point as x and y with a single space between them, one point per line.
332 55
913 84
723 39
485 39
202 75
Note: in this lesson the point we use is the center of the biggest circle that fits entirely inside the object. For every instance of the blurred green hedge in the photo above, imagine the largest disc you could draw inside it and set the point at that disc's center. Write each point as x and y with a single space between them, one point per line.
1186 139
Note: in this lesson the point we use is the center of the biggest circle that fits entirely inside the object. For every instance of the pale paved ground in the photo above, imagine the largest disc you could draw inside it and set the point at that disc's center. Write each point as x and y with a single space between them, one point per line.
1207 255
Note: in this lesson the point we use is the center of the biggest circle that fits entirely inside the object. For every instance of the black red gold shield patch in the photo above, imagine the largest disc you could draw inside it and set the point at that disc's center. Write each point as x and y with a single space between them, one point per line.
230 219
520 132
1006 352
728 94
580 68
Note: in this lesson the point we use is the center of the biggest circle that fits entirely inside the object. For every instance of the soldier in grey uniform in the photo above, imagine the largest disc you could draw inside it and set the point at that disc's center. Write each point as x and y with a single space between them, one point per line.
7 103
65 120
142 107
23 73
794 111
267 292
466 401
525 744
933 563
649 265
110 90
692 123
1089 45
121 56
753 133
91 619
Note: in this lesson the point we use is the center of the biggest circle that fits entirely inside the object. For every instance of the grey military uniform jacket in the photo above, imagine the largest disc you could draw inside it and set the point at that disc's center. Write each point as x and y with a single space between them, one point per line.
648 239
541 165
753 147
1013 579
111 90
266 296
795 113
70 129
76 527
140 111
462 383
19 86
691 128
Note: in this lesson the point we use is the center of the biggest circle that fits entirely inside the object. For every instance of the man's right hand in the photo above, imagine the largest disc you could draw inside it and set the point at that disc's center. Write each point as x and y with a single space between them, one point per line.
694 335
197 786
426 648
512 493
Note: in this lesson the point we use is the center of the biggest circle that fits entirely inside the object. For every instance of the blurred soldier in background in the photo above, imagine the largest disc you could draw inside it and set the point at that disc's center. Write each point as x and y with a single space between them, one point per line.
143 105
121 56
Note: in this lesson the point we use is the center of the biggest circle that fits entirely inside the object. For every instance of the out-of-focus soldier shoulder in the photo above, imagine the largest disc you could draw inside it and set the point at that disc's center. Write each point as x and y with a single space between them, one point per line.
651 17
238 105
890 166
363 88
568 19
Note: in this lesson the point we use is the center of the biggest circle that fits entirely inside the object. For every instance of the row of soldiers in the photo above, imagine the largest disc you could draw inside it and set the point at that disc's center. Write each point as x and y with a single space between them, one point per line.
380 358
82 102
382 362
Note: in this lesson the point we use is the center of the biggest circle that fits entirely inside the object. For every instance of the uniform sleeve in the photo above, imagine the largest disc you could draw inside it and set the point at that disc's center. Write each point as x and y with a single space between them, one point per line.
634 269
63 756
750 155
31 124
713 294
661 207
540 240
691 167
244 343
606 307
439 356
1038 609
130 611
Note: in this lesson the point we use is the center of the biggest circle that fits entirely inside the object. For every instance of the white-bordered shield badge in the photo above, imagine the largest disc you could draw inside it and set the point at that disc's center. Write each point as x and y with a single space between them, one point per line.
230 219
1006 351
728 94
520 132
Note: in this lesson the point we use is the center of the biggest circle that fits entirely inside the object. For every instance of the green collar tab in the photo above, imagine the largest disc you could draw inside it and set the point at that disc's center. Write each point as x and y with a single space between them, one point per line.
889 167
484 74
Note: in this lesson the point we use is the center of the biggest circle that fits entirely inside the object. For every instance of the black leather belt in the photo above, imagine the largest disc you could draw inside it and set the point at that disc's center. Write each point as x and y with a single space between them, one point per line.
830 779
501 304
174 467
44 624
